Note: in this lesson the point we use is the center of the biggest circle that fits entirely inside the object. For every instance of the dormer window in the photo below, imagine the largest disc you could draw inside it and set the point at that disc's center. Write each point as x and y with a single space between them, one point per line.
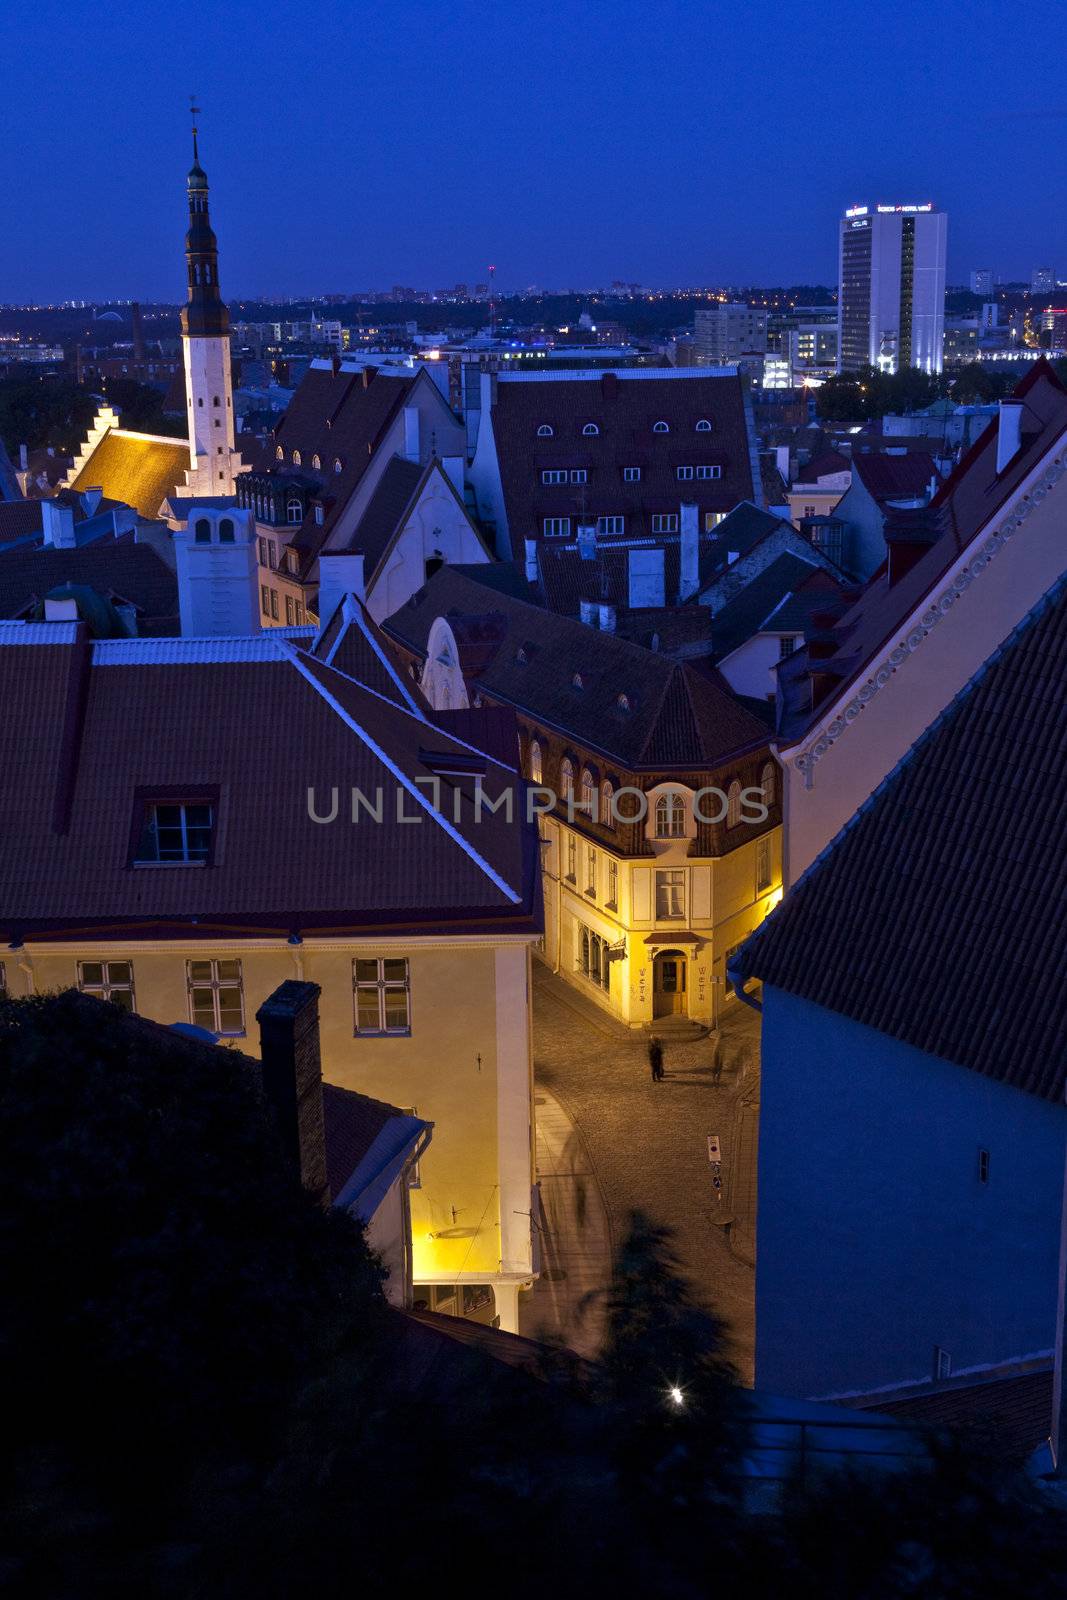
544 431
337 464
660 427
590 430
703 426
320 515
670 816
279 454
296 458
294 512
316 461
577 681
176 833
622 702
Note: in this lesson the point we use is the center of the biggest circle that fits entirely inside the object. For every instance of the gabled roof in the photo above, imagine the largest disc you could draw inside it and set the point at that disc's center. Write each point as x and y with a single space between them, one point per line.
89 727
396 489
966 502
745 527
892 477
624 407
776 600
635 706
937 914
824 465
368 1142
352 643
135 468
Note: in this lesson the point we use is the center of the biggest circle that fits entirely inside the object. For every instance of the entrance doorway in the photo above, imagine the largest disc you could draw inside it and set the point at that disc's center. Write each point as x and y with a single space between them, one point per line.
669 971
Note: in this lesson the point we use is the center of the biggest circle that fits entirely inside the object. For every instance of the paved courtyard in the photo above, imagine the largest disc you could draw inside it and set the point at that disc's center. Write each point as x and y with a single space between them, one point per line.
610 1135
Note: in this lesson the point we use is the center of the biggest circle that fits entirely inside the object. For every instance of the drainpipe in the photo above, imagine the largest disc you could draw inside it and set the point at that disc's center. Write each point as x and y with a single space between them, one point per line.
738 980
25 964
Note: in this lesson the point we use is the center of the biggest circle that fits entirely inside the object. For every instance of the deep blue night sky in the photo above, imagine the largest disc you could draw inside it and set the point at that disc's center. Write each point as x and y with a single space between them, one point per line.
357 146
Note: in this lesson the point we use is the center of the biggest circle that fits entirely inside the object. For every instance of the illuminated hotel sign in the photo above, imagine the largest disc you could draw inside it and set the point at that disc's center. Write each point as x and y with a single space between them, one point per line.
891 210
857 211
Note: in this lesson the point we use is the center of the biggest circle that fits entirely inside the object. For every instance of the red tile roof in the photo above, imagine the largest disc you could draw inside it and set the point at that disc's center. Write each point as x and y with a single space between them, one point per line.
887 477
937 914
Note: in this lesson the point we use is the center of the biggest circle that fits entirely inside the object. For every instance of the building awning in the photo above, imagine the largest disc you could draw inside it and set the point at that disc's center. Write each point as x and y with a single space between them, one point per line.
672 938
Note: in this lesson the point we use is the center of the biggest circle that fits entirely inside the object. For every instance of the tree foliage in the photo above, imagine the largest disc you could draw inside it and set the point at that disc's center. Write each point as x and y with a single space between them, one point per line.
867 394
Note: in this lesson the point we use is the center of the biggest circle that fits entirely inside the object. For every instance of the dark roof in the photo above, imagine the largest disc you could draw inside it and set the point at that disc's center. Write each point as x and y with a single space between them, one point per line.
936 915
745 527
506 577
776 600
90 727
969 499
823 465
395 491
902 477
352 1122
135 469
118 569
351 642
19 519
624 406
1014 1413
676 716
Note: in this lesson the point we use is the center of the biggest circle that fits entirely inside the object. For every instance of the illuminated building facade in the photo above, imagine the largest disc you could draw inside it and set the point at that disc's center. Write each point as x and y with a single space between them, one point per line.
891 304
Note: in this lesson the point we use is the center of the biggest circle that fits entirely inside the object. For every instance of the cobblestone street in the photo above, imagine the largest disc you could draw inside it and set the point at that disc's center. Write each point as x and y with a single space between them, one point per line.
645 1144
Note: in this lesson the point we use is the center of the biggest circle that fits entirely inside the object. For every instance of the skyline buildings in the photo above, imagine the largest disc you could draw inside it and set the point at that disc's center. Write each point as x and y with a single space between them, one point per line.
891 299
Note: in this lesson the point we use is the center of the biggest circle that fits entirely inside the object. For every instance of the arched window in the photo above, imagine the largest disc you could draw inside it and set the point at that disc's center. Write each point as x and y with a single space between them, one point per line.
590 430
607 794
294 512
226 531
296 458
703 426
337 464
733 804
585 950
660 427
623 702
566 778
588 794
670 816
767 785
577 681
279 454
202 531
544 431
537 768
316 461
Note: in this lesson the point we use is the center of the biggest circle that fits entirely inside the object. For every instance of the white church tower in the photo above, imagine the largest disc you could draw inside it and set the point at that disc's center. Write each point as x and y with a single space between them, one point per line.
214 462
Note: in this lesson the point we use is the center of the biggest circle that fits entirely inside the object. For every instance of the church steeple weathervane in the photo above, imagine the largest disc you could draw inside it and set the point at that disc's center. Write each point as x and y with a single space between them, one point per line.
205 315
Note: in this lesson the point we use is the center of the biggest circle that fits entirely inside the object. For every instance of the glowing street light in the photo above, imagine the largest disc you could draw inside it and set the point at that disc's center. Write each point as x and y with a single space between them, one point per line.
676 1396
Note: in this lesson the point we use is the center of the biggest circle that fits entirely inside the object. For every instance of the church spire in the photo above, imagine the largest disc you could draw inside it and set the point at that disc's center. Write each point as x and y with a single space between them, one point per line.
205 315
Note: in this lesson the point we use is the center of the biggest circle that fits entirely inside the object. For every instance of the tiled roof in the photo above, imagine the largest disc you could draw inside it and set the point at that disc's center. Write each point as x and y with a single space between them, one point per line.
118 569
764 604
968 501
394 493
937 914
352 1122
887 477
624 407
19 519
1015 1413
135 469
352 643
634 705
745 527
824 465
86 731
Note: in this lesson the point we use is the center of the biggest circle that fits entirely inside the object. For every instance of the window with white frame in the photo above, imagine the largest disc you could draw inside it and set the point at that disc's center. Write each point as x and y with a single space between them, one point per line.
611 524
382 989
294 511
216 996
588 793
612 897
536 763
670 816
175 832
703 426
733 804
670 895
607 795
763 864
665 522
566 778
787 643
684 472
579 475
554 475
590 871
556 527
712 520
108 980
590 430
631 474
661 427
709 472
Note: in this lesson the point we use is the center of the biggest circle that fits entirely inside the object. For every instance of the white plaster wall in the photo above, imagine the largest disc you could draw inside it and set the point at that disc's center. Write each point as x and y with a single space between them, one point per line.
437 527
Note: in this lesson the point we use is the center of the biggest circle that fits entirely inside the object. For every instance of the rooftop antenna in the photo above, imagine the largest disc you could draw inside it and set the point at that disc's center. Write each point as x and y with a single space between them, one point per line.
194 112
492 302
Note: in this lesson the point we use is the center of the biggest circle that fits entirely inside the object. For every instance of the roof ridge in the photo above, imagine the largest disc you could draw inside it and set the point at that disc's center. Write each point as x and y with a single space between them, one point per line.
408 784
944 716
354 613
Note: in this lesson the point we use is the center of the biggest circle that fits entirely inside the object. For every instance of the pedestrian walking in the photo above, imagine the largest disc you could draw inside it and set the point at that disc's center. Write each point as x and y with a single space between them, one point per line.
655 1060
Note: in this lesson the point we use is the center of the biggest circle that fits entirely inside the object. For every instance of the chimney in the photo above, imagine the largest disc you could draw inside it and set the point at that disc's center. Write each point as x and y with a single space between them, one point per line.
91 499
57 525
781 458
1009 432
24 458
138 332
689 554
645 578
60 608
339 574
292 1078
218 574
587 540
411 434
531 560
607 617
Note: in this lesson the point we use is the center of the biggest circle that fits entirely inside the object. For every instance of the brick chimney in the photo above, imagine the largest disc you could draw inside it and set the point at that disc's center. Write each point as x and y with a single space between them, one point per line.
292 1078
